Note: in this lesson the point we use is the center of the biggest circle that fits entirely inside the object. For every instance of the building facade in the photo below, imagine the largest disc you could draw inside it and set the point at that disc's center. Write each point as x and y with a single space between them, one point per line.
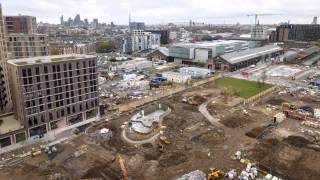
20 24
5 97
51 92
164 35
201 52
141 40
136 26
298 32
27 45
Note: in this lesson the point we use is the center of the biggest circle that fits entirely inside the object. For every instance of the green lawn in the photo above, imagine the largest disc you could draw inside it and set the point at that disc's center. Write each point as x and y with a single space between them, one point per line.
244 88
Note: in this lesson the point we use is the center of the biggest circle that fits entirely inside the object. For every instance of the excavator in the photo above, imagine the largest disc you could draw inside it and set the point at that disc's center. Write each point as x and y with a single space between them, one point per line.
124 172
215 174
161 142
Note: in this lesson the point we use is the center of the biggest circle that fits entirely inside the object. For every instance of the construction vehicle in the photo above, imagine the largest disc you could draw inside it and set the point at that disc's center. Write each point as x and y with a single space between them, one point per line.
161 142
291 111
286 106
165 140
191 100
215 174
124 172
294 115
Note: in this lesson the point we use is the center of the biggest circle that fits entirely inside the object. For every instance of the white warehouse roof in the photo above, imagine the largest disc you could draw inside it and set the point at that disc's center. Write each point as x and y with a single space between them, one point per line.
237 57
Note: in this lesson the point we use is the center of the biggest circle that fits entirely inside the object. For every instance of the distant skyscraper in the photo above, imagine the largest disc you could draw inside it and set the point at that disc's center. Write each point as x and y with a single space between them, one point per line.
77 20
95 23
315 20
70 22
86 22
61 20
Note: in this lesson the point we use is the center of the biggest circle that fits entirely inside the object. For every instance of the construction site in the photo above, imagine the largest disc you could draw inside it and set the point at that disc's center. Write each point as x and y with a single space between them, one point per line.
208 134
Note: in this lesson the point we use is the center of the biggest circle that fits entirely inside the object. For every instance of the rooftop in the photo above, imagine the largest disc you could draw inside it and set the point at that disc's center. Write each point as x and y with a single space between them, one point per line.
48 59
237 57
208 44
9 124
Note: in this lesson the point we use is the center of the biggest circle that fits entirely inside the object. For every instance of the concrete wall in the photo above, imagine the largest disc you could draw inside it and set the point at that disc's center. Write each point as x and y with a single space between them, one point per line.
201 55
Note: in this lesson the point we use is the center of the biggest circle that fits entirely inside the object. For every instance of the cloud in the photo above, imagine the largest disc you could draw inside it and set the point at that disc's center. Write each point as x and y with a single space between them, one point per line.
161 11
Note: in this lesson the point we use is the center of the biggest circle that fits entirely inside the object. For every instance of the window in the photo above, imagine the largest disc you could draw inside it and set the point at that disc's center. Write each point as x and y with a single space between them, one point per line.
45 69
37 71
29 72
24 73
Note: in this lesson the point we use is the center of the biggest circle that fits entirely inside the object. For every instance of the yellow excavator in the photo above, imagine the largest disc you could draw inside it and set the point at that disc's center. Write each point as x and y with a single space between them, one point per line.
215 174
124 172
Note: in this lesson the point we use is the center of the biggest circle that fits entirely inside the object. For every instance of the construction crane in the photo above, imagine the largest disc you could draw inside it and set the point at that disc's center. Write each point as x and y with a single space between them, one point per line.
257 15
124 172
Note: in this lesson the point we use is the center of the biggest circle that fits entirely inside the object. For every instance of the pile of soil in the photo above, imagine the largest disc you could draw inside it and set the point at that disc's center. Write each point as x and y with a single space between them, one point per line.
309 99
172 159
102 171
253 133
236 120
297 141
276 101
290 158
199 99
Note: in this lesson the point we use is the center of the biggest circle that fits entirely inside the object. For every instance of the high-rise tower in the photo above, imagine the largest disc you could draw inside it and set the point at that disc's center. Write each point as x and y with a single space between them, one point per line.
5 97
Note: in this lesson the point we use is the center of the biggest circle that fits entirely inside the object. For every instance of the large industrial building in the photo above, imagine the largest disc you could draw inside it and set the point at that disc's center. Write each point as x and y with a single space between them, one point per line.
27 45
201 52
237 60
51 92
297 32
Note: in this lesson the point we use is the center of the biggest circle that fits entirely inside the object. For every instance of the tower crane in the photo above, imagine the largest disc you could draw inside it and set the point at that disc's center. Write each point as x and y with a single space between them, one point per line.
257 15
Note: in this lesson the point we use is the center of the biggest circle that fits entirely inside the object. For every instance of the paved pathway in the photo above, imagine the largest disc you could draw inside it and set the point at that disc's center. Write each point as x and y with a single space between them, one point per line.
213 120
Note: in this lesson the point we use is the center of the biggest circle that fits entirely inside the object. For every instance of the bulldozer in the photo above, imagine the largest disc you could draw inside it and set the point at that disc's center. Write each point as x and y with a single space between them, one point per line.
214 174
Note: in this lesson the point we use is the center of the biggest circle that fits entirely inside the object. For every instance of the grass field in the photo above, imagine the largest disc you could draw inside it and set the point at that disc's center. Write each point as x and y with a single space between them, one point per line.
244 88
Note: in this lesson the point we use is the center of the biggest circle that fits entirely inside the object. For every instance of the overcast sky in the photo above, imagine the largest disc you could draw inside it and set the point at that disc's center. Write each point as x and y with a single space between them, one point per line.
164 11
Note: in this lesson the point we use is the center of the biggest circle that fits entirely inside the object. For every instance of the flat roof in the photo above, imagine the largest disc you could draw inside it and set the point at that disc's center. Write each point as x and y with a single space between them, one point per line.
48 59
240 56
9 124
208 44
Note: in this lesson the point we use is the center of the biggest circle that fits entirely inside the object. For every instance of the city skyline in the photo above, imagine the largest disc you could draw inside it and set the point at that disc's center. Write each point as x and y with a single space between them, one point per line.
161 12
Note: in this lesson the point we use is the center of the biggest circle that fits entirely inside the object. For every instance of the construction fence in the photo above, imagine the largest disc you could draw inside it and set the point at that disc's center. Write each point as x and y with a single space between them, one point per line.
134 104
259 96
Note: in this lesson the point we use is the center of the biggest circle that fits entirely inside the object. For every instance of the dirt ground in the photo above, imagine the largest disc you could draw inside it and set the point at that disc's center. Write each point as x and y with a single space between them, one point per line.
195 144
292 158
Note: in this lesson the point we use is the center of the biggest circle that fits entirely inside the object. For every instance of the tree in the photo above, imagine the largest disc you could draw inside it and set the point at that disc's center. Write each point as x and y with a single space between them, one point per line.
106 47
